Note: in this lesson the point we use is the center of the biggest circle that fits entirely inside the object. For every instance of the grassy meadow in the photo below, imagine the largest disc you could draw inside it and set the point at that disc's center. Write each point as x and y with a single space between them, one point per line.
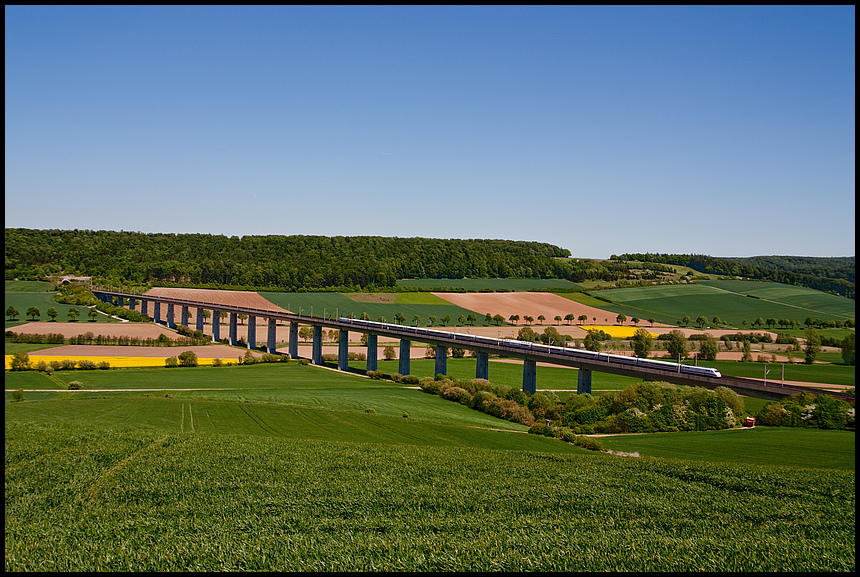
25 294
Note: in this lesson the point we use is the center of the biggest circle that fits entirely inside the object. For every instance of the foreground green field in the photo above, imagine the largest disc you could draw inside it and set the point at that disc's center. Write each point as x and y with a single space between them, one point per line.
82 498
291 467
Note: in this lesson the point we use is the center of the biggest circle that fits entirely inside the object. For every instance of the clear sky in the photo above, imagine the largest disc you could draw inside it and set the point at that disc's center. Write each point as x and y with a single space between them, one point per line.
726 131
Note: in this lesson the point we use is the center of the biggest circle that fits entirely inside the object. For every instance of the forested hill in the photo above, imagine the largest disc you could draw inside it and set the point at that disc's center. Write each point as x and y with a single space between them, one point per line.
829 274
286 262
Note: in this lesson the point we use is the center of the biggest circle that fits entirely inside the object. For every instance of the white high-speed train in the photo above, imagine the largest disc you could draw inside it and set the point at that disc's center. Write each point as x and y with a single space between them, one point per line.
539 347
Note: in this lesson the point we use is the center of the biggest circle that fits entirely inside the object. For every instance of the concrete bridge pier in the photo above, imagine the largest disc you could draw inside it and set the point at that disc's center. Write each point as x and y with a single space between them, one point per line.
482 367
441 360
156 312
132 304
252 332
216 326
232 334
371 352
343 349
271 335
183 315
199 318
316 356
170 321
294 340
143 306
529 376
583 382
405 353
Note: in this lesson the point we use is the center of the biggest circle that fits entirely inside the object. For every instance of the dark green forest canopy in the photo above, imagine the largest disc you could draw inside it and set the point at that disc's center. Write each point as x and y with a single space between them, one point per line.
828 274
290 262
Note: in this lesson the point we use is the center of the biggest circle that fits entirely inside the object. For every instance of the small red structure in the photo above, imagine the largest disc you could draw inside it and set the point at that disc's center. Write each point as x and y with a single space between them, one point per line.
749 422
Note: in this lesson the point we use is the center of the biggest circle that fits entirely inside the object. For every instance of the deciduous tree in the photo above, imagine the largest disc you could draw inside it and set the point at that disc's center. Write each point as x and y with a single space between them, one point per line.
642 342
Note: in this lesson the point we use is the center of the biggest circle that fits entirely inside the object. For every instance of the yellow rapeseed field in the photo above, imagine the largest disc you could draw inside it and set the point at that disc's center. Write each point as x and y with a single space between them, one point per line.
115 362
616 332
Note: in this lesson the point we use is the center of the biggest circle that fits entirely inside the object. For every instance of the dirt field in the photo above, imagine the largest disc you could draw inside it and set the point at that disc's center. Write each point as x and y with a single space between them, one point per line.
528 303
204 352
68 330
217 297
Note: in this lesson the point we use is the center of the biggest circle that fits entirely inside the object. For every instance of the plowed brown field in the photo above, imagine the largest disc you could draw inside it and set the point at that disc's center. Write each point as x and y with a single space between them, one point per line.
526 303
69 330
218 297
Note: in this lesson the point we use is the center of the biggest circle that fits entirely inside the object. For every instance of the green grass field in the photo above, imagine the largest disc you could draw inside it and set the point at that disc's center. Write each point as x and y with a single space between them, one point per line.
811 448
726 299
292 467
479 284
25 294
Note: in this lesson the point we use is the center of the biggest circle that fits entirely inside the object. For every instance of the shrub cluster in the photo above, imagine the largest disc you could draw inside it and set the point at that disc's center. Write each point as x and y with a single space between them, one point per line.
649 407
249 359
641 408
332 357
480 394
21 362
123 313
751 337
808 410
88 338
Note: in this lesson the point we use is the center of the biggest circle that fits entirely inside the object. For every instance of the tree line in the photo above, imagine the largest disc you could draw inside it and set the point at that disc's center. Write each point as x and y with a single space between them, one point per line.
273 261
828 274
298 262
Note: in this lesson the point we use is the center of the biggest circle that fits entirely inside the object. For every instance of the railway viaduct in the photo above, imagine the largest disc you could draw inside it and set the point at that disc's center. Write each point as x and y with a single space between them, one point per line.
442 341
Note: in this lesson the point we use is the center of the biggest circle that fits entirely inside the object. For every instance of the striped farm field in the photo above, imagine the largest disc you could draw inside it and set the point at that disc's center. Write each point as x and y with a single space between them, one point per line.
734 301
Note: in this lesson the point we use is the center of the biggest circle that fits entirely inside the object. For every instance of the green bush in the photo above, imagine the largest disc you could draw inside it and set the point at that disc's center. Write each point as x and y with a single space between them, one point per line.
584 442
541 429
75 385
481 401
86 365
171 362
512 411
430 385
585 415
455 393
188 359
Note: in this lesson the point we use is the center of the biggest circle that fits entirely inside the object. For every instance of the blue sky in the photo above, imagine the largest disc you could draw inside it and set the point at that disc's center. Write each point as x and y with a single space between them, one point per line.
726 131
